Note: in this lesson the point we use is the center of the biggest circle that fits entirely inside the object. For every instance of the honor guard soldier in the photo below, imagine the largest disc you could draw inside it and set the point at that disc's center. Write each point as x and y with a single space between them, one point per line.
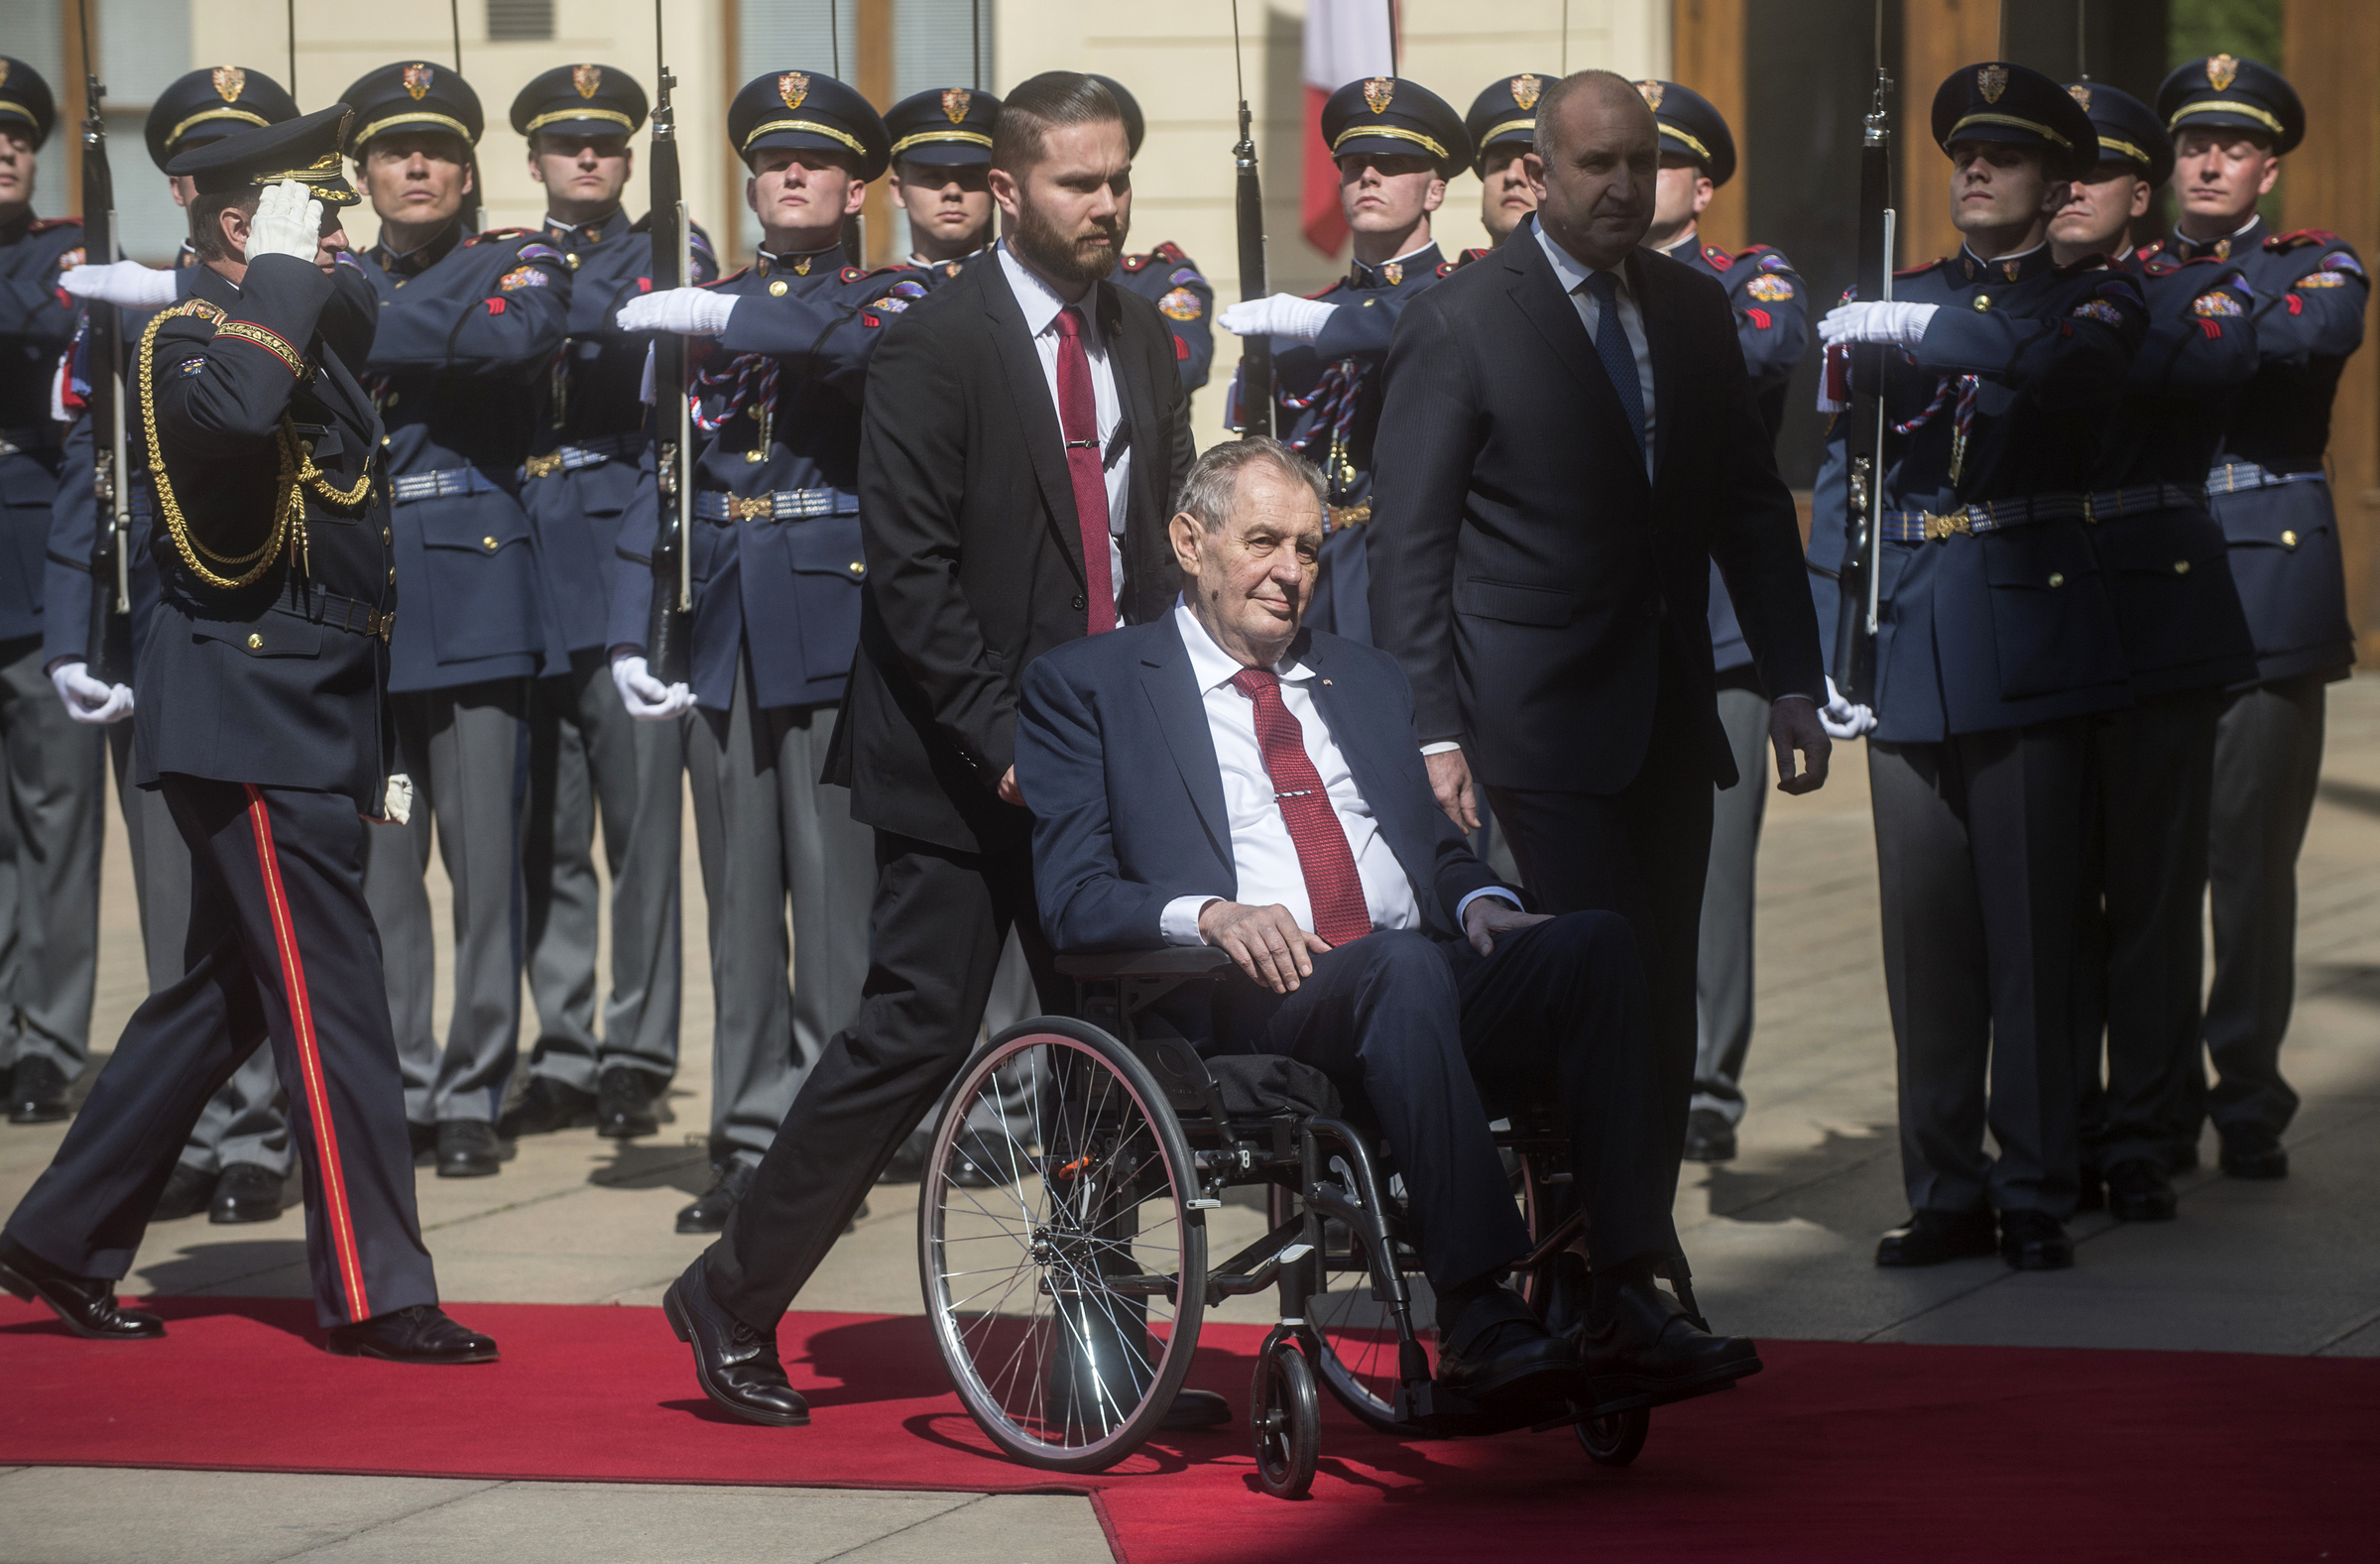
1396 144
1998 641
941 166
470 327
1165 276
776 570
264 720
586 756
1772 326
1503 127
2232 121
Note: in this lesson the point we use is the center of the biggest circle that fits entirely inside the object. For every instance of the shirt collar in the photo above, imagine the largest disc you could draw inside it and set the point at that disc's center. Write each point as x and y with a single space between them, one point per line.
1569 269
801 263
1040 302
1422 259
1687 241
2239 241
2007 267
1213 666
420 258
609 226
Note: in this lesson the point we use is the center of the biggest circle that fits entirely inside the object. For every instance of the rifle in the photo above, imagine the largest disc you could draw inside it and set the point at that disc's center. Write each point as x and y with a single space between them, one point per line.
1256 352
668 631
108 651
1861 573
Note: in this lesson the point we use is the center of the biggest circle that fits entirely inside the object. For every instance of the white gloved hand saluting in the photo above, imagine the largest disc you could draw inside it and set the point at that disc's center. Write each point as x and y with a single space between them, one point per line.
1899 323
1841 719
126 282
1282 315
647 698
88 700
288 221
689 311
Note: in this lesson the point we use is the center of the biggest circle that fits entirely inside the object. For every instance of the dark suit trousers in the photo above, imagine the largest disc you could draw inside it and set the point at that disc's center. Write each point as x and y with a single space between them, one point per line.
936 929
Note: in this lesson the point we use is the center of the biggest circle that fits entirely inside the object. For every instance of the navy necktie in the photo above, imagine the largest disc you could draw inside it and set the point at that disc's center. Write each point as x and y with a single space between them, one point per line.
1611 346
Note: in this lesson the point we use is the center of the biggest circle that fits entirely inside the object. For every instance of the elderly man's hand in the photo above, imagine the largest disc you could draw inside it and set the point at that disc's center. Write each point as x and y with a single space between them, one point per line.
1793 724
1264 940
1491 915
1450 780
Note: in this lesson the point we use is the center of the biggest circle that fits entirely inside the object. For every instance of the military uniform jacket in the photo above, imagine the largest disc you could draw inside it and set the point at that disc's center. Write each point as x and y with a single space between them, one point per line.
281 680
2017 375
469 330
36 321
1170 280
778 572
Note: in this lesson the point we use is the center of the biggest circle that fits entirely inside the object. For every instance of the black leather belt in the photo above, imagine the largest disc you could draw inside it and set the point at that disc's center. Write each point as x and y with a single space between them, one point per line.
318 607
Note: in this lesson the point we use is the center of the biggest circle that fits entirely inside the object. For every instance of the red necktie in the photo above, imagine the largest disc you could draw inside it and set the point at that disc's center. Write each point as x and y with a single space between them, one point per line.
1332 884
1078 418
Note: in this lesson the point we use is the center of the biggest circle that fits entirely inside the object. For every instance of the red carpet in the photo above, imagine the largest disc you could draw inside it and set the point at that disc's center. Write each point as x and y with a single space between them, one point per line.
1838 1451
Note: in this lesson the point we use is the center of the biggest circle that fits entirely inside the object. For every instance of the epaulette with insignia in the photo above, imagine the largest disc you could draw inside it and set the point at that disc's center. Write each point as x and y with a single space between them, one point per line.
45 224
1749 251
2300 238
1717 257
493 234
1168 252
2150 251
1135 263
197 310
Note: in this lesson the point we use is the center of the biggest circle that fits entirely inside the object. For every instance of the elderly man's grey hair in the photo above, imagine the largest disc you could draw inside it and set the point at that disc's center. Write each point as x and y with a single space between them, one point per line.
1214 479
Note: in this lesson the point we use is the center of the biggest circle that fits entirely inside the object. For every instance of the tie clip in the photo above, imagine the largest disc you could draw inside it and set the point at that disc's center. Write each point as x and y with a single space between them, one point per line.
1082 444
1302 792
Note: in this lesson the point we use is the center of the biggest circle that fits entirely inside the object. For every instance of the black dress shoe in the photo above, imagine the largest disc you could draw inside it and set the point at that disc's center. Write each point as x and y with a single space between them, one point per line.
87 1305
736 1366
1645 1350
1708 1137
1497 1354
2182 1157
1195 1409
709 1214
37 1093
2035 1241
188 1192
468 1149
425 1138
2257 1156
547 1106
624 1105
419 1334
909 1162
2091 1190
246 1193
1932 1238
2139 1191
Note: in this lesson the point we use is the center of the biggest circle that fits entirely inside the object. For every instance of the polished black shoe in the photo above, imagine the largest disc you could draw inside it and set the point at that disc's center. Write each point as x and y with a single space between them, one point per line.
87 1305
188 1192
37 1093
1195 1409
468 1149
2182 1157
736 1366
2091 1189
1497 1354
547 1106
2139 1191
425 1138
624 1105
419 1334
246 1193
1708 1137
709 1214
2035 1241
1645 1350
1934 1238
2254 1156
908 1160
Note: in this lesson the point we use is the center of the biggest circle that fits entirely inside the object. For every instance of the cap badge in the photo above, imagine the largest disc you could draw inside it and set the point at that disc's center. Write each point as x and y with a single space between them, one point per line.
1652 91
1991 81
1525 88
2080 95
793 86
417 82
587 78
1378 91
3 72
1393 273
954 105
2221 70
229 79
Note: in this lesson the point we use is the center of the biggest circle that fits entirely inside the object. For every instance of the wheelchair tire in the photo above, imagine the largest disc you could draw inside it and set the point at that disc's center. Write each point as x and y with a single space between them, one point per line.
1617 1439
1285 1416
1045 1288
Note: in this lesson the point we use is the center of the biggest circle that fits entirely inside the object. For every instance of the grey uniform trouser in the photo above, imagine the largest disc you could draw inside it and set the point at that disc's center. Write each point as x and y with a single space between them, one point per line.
770 835
49 840
467 752
1723 957
589 758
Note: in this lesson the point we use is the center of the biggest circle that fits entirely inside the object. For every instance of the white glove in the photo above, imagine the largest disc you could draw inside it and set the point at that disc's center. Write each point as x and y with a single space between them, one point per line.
690 312
288 221
1841 719
645 697
1283 314
1899 322
88 700
126 282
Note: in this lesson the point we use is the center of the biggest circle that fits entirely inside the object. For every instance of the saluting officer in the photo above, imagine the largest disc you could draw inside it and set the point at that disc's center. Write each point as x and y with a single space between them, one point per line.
2232 121
469 329
1998 641
1772 326
264 720
776 569
1503 127
1167 278
941 175
1396 144
586 757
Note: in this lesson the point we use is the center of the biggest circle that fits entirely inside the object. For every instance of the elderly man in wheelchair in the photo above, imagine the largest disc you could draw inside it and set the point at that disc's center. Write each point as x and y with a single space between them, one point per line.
1221 778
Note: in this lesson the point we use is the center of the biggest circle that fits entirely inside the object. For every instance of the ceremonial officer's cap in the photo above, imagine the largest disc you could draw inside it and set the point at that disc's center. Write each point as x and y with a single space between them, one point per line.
943 125
1691 127
580 100
2129 130
306 149
411 95
808 109
2223 90
2015 106
1392 117
25 99
207 106
1136 125
1506 115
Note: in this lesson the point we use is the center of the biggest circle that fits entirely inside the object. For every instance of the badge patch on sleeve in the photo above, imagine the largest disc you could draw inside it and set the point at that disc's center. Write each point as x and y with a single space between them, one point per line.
1183 277
1769 290
1181 304
521 277
2217 303
2101 311
538 252
2341 261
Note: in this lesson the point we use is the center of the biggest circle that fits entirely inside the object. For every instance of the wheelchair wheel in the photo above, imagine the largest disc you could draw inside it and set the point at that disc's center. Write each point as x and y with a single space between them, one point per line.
1055 1291
1287 1419
1615 1439
1356 1333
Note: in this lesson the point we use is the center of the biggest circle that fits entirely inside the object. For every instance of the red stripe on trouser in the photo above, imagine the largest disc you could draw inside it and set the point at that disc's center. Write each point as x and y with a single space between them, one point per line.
309 1061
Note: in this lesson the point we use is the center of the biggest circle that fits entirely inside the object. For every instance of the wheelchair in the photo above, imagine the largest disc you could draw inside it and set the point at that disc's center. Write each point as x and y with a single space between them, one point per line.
1062 1240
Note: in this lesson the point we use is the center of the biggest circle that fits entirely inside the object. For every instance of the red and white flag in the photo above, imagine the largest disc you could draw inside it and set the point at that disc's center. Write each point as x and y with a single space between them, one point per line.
1346 41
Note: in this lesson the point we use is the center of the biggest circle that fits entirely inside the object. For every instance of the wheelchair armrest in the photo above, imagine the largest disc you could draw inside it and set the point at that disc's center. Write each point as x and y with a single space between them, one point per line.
1169 961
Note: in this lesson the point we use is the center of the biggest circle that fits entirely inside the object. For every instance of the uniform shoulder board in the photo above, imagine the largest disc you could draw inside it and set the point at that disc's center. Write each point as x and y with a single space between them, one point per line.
1923 267
1170 253
495 234
45 224
699 239
2300 238
2150 251
205 313
1749 251
1135 263
1717 257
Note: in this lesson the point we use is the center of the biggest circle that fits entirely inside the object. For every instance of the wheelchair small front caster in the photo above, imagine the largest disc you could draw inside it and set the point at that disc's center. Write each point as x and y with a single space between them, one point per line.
1287 1418
1616 1438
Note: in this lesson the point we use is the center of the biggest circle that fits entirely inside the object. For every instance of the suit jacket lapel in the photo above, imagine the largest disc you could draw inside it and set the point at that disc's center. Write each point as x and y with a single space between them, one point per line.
1172 689
1660 340
1536 290
1028 391
1151 442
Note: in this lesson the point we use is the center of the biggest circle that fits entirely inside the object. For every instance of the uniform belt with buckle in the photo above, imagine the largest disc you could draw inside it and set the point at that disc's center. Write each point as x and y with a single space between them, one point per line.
446 483
586 453
1336 517
329 609
2233 477
784 505
1986 516
2141 499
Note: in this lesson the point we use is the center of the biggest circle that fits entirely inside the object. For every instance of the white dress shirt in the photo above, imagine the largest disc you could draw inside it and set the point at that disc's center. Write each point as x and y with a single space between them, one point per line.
1041 305
1573 274
1263 856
